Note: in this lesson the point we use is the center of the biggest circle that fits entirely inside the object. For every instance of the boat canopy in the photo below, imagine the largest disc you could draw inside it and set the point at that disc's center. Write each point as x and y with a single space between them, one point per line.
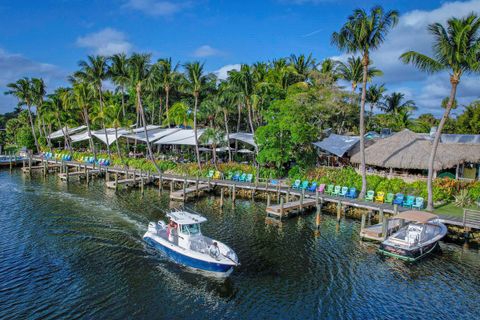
416 216
183 217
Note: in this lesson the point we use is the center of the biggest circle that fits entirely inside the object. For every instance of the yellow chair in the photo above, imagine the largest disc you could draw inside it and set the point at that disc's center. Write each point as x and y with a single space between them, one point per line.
217 175
380 197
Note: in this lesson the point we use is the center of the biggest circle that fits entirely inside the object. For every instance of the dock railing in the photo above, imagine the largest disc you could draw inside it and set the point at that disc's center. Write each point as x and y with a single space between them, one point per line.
471 218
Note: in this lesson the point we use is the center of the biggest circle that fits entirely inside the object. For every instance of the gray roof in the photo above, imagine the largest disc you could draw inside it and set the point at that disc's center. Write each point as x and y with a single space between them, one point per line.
337 144
244 137
461 138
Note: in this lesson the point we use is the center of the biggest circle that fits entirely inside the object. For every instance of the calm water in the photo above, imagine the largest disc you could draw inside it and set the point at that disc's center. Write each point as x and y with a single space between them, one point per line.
71 252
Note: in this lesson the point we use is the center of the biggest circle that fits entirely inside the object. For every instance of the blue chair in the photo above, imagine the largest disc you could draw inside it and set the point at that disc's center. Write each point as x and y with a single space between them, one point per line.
398 199
352 193
236 176
409 202
313 187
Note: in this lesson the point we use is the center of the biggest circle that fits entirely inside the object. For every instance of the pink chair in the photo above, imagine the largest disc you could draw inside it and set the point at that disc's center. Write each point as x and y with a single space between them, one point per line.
321 188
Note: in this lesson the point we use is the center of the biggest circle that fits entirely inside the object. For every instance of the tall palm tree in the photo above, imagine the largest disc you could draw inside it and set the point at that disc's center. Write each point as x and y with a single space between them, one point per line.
168 79
64 106
38 94
83 97
119 74
455 49
363 33
113 112
303 65
244 79
195 81
22 90
94 71
395 103
215 137
139 69
352 71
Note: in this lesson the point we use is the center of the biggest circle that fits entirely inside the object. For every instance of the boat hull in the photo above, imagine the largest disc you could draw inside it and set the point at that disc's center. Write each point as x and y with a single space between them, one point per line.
217 268
408 255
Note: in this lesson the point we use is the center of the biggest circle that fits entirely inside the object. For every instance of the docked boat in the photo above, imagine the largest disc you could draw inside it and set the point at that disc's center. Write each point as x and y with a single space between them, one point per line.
182 240
418 236
5 160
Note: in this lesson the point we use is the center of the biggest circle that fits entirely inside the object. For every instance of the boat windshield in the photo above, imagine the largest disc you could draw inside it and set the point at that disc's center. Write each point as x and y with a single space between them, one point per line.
191 229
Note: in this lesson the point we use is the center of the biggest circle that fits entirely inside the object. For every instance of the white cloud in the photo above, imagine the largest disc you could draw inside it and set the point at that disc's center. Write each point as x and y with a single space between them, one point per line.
222 73
15 66
105 42
157 8
206 51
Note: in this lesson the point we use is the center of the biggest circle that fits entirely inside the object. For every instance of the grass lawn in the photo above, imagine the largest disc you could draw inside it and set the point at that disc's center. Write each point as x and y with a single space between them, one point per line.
450 209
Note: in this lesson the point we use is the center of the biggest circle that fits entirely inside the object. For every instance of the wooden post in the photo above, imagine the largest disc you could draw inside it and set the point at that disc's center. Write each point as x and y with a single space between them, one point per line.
281 208
161 182
44 168
268 200
184 189
116 181
384 228
301 200
141 183
11 165
107 174
364 220
339 211
30 164
288 195
134 176
380 215
395 209
209 182
196 186
171 186
88 175
318 220
221 197
67 174
278 193
234 193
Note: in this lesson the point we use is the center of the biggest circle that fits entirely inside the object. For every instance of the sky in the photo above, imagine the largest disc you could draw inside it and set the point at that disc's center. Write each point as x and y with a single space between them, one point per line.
47 38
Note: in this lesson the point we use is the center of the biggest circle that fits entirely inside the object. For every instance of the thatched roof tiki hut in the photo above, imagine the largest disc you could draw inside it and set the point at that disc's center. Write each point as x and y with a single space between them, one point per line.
409 152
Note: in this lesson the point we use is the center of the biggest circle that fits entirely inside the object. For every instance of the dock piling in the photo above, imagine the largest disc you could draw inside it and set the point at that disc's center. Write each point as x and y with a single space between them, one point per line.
116 182
268 200
339 211
221 197
384 228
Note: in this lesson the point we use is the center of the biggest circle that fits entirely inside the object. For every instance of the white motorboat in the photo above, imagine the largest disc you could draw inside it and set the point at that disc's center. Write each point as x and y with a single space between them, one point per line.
183 242
418 237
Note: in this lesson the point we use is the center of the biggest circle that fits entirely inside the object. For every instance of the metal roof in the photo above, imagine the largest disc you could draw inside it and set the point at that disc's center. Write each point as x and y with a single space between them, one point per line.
184 217
244 137
337 144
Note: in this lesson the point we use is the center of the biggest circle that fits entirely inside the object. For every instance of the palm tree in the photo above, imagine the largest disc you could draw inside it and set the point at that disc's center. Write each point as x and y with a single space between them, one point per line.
168 79
180 114
375 96
38 94
195 82
94 71
394 103
215 137
119 74
64 105
83 97
455 49
303 65
352 71
22 90
363 33
244 79
139 69
113 113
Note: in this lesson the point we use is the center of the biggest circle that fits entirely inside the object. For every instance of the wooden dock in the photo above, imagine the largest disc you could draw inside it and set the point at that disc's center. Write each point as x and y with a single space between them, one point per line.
49 167
375 232
285 209
78 174
183 194
126 182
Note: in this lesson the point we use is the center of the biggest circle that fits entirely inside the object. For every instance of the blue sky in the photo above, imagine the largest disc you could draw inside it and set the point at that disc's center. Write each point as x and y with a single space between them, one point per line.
47 38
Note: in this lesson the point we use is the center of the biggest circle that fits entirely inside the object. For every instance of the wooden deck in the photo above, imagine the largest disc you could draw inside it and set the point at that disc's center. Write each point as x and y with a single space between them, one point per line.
78 174
190 191
375 232
126 182
50 166
285 209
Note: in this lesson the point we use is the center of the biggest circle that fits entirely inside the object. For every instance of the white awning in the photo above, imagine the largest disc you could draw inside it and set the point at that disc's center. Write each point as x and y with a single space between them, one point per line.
153 134
244 137
181 137
99 134
60 133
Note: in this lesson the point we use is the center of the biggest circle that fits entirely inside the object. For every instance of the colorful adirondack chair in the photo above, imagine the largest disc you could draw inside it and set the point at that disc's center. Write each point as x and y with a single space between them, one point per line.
418 203
380 197
337 190
409 201
274 182
210 173
398 199
370 195
321 188
217 175
243 177
389 198
330 189
249 178
313 187
343 192
304 185
229 175
236 176
352 193
296 184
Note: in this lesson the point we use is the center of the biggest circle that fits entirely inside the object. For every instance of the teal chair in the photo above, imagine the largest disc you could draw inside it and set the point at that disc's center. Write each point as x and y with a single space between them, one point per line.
409 201
296 184
418 203
370 195
337 190
344 192
249 178
304 185
243 177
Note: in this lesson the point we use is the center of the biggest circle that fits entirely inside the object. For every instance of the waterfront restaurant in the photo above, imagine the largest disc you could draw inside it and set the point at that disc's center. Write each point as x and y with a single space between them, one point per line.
406 154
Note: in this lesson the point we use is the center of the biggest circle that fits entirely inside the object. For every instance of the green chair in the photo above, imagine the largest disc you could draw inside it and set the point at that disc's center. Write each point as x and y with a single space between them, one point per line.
229 175
330 189
389 198
370 195
337 190
343 192
249 178
210 173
